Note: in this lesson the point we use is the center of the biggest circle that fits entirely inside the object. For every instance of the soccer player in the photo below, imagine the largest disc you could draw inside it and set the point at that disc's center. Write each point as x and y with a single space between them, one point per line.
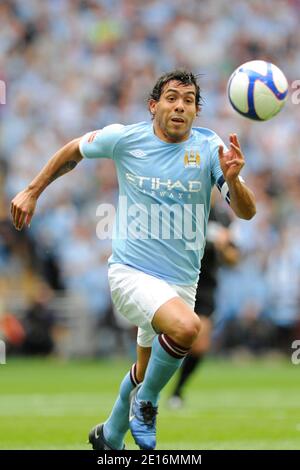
166 170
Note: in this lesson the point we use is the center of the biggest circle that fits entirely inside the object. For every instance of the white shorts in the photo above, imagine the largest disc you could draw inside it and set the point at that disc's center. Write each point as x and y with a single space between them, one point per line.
137 296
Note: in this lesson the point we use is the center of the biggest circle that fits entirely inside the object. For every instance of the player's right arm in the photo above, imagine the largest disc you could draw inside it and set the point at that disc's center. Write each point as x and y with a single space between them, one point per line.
96 144
63 161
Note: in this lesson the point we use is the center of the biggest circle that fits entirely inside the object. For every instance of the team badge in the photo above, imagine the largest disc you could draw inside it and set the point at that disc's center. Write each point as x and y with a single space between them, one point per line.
191 158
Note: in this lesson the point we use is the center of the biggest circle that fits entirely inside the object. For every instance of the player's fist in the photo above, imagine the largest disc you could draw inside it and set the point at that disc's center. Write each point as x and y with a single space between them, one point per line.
22 208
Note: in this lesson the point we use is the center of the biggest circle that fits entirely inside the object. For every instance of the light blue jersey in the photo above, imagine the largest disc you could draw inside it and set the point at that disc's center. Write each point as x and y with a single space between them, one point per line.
164 197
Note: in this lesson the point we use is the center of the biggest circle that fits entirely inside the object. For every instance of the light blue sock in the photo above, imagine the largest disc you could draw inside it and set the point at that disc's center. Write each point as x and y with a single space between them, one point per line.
116 426
166 357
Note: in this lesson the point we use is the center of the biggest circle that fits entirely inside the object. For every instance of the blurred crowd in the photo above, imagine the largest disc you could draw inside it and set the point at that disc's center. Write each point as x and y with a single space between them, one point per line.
71 66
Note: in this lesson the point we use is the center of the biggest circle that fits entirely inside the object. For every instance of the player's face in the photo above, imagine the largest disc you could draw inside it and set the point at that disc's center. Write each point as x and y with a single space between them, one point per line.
175 112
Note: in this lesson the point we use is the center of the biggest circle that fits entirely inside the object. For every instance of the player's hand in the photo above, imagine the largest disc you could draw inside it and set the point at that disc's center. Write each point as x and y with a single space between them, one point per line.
232 161
22 208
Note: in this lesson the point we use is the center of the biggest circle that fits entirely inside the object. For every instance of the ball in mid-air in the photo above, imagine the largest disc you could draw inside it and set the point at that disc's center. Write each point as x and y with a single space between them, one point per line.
257 90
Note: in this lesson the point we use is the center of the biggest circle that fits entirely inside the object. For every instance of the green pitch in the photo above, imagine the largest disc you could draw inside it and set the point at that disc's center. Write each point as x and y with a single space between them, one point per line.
48 404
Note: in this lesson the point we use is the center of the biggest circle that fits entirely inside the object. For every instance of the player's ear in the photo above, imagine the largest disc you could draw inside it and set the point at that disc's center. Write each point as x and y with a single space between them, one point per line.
198 110
152 104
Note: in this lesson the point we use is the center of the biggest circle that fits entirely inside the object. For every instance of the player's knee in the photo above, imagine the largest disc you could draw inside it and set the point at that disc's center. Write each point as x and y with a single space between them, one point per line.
187 331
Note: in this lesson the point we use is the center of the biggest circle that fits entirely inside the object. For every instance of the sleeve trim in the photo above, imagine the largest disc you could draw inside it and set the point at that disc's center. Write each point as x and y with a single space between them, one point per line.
223 187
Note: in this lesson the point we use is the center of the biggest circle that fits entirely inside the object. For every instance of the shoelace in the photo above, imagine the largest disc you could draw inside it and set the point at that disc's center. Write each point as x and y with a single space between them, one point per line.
148 412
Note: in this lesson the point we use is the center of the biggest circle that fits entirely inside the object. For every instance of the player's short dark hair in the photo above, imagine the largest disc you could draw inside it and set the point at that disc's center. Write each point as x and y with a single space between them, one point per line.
180 75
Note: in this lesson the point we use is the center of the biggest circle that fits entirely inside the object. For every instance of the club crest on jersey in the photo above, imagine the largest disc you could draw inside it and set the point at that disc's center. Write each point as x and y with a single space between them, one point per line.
191 158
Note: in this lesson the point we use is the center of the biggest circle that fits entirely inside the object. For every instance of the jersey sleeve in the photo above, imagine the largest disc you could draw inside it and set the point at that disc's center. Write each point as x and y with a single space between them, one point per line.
216 172
101 143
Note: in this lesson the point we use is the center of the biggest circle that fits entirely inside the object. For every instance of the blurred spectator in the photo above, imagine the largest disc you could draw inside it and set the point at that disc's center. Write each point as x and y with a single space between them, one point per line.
11 332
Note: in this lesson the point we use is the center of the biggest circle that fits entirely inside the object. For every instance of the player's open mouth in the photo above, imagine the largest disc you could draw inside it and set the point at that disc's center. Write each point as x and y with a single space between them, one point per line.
177 120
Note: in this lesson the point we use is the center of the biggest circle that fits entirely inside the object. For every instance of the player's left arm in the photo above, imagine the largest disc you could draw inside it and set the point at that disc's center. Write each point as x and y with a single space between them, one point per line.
242 199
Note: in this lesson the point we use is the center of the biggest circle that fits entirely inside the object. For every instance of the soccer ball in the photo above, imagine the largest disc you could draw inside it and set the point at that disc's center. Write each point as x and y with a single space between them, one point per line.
257 90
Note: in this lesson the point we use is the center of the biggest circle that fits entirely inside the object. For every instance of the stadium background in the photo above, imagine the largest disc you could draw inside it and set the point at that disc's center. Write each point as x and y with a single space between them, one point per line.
73 66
